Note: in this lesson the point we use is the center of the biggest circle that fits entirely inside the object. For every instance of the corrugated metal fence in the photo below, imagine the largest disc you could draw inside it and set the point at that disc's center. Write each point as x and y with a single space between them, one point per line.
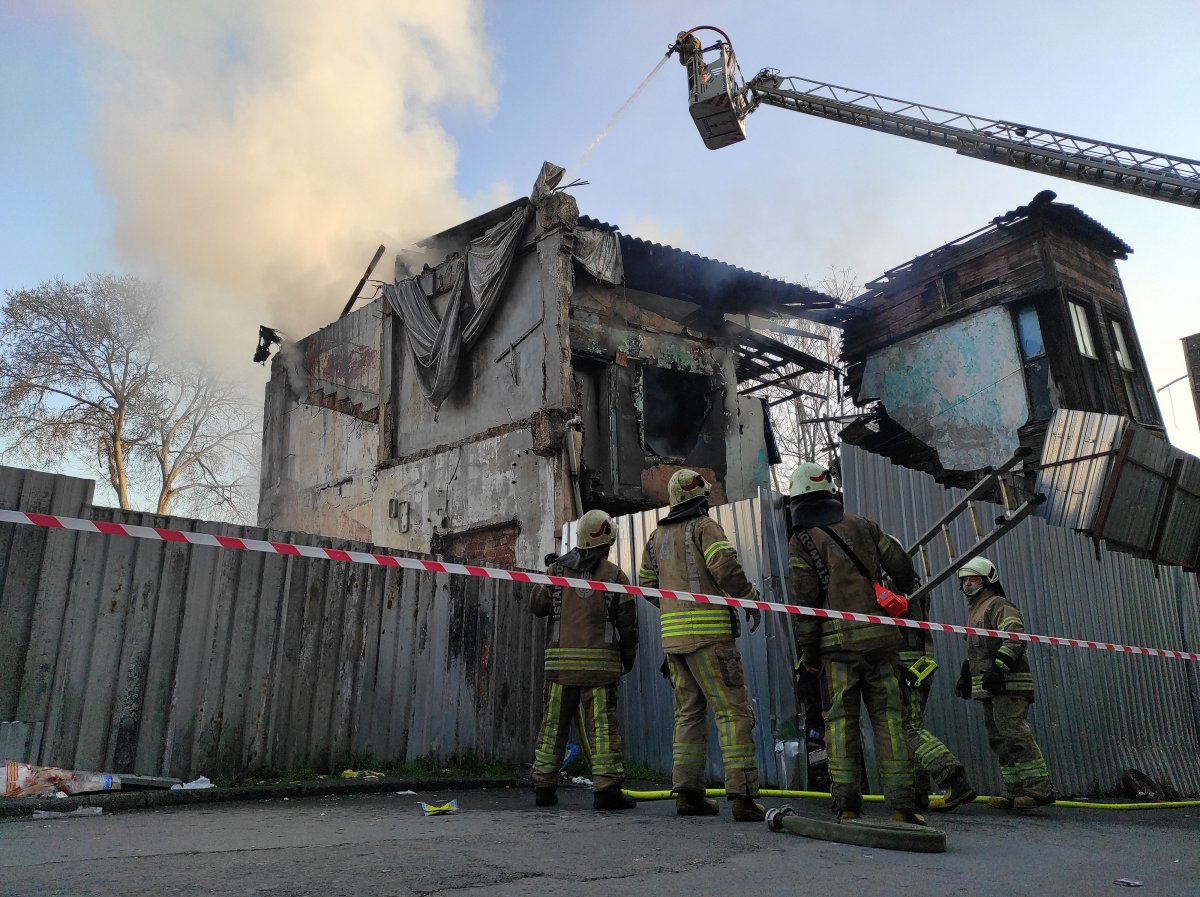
171 659
163 658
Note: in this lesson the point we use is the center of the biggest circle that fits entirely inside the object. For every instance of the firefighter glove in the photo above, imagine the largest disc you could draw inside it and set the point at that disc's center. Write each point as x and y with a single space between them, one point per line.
665 670
753 617
993 681
628 661
962 688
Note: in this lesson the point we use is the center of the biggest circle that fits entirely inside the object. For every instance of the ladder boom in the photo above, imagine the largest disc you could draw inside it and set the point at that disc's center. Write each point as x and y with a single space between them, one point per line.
1123 168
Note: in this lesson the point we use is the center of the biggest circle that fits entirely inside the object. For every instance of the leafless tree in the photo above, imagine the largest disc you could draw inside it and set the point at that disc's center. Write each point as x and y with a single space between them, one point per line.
85 376
806 427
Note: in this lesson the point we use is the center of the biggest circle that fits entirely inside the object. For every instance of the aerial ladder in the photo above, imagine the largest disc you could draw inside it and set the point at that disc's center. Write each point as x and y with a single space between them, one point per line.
720 100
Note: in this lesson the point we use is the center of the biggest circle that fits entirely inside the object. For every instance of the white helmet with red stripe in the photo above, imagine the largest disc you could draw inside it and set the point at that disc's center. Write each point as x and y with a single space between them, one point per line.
810 477
686 485
596 528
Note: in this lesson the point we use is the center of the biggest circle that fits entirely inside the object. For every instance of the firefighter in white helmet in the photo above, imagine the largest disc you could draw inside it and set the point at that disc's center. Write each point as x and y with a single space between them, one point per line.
689 552
591 639
996 672
835 561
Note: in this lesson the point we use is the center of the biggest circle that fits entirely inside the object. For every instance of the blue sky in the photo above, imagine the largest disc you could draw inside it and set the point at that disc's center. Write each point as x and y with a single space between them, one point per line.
799 196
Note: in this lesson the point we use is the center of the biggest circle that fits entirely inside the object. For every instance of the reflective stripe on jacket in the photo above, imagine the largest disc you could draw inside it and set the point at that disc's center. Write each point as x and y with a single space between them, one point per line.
987 610
693 555
585 645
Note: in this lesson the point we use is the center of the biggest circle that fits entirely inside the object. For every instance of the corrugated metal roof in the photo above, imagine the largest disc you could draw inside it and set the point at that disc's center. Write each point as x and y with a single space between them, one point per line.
1062 215
715 286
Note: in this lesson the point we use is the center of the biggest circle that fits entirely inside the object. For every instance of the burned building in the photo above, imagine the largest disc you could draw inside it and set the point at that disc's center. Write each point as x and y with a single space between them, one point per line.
522 367
965 352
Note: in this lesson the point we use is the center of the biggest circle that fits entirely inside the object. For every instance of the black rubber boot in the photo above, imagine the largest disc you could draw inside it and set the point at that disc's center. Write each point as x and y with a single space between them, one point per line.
694 803
745 809
958 792
612 799
545 797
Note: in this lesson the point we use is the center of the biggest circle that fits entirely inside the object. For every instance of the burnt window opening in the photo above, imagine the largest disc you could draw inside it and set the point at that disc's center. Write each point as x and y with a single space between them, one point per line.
674 405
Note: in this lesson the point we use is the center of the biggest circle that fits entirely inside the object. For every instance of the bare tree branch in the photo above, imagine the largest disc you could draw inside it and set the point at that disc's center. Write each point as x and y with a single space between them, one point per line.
82 375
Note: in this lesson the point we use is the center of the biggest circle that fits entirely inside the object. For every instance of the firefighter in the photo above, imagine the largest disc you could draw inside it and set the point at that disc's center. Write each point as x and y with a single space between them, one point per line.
932 758
996 672
834 561
689 552
591 639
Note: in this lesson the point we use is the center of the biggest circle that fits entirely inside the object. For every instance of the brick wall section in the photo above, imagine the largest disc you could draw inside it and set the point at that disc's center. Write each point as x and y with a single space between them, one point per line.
493 546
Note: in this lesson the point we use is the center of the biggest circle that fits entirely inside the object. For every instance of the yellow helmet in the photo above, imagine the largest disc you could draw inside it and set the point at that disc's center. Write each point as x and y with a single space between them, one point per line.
979 566
596 528
809 477
686 485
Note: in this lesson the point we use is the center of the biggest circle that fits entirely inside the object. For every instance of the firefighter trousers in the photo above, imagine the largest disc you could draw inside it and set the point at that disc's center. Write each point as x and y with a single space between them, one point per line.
599 704
1022 766
930 754
712 676
851 679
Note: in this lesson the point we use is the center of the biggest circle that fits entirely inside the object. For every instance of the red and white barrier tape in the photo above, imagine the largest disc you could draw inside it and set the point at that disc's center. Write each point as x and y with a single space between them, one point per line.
387 560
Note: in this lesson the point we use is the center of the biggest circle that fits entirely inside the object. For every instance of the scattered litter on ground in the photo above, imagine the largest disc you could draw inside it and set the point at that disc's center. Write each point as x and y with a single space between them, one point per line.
77 813
26 780
435 810
361 774
201 782
581 780
1127 882
406 792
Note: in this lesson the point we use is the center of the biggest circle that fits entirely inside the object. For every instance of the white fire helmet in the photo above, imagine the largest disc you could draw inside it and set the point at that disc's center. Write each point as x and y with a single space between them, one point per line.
979 566
810 477
596 528
685 485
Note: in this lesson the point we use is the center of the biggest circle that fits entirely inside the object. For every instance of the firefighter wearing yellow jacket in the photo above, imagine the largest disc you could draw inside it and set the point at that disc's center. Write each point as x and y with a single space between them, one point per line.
997 673
592 638
689 552
834 560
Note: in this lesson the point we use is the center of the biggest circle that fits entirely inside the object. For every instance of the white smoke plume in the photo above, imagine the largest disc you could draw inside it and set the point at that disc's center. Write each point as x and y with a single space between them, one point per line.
257 153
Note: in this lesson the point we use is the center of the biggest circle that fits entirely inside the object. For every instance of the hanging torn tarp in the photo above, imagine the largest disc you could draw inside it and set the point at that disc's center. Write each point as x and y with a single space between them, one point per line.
477 283
598 252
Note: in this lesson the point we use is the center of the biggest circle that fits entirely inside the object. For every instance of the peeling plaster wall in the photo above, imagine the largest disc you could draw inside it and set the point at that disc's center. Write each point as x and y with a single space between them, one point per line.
489 392
422 474
959 388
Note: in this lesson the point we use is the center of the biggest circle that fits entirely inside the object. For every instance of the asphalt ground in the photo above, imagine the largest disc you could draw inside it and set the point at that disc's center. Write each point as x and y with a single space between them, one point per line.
500 844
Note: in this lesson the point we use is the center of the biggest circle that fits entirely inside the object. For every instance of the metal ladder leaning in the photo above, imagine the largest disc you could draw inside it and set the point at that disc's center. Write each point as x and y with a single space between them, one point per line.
1015 510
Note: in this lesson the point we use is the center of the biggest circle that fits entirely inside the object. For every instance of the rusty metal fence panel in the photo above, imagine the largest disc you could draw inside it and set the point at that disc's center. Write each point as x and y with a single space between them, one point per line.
172 659
1096 714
